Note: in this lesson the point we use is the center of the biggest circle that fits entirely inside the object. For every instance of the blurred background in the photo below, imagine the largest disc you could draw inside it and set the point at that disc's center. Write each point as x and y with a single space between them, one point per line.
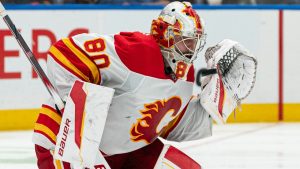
268 119
210 2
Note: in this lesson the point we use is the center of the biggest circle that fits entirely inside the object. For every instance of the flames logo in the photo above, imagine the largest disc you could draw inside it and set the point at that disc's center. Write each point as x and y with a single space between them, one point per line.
159 30
189 11
155 117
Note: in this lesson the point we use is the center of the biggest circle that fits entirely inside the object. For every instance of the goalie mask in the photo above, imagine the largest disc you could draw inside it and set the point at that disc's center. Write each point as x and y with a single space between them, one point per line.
179 32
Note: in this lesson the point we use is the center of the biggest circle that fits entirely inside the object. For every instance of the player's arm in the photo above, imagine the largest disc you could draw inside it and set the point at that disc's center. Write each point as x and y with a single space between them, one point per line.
195 123
66 63
221 92
44 137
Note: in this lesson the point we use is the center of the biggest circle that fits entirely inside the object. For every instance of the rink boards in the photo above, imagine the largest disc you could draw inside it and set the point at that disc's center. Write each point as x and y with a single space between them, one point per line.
272 36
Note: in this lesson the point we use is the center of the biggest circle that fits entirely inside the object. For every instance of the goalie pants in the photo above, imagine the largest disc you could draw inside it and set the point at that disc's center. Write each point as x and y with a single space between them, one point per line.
144 158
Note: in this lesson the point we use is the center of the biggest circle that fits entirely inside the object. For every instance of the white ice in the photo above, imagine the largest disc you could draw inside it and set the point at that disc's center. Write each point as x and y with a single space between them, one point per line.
232 146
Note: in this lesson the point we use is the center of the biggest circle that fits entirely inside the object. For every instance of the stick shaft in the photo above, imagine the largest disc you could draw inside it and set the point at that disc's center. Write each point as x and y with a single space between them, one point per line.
53 92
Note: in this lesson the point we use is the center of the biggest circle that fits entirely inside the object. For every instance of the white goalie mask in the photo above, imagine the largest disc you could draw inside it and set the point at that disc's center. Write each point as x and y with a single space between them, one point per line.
180 33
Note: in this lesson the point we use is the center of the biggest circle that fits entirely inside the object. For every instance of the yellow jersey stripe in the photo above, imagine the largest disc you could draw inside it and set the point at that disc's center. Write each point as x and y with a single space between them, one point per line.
46 130
58 164
51 114
90 64
59 56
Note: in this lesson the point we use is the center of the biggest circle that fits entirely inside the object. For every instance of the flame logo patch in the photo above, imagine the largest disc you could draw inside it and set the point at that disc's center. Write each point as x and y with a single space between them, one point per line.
155 117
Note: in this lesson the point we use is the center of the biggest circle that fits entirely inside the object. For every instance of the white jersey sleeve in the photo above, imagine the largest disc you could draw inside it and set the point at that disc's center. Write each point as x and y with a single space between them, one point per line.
87 57
195 124
47 126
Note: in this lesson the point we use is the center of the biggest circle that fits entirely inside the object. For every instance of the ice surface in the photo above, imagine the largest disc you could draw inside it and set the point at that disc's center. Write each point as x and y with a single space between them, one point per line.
233 146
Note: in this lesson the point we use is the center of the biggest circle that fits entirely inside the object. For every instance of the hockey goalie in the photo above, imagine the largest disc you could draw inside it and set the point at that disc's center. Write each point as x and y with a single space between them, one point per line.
124 91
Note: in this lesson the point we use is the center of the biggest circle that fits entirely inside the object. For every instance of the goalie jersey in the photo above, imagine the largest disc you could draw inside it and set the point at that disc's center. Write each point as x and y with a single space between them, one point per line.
147 103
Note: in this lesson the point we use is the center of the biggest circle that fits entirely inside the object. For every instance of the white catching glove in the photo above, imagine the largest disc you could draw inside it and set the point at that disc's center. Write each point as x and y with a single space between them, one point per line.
235 78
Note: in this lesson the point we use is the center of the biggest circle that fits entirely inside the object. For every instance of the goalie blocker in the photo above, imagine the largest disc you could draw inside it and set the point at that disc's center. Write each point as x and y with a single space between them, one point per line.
234 79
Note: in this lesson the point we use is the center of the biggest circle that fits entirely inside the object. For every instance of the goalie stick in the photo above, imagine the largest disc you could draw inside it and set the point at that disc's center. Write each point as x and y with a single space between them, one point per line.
53 92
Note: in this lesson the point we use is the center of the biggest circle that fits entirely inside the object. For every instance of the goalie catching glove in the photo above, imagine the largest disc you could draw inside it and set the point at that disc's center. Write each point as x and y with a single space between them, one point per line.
235 78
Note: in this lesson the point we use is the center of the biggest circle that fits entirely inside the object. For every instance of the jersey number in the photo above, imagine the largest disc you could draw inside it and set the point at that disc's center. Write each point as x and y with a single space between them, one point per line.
97 48
180 70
